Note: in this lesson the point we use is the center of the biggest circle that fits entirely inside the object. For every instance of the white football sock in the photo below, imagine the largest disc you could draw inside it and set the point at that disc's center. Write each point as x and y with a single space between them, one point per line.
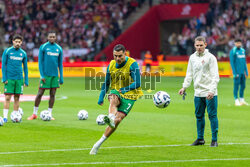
35 110
50 110
5 113
100 141
15 111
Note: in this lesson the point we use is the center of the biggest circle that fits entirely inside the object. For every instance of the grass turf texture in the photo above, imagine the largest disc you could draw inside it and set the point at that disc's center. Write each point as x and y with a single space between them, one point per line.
145 125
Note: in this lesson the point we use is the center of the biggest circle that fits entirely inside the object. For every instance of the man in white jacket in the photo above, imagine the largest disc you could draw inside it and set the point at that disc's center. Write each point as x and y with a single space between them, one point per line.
203 70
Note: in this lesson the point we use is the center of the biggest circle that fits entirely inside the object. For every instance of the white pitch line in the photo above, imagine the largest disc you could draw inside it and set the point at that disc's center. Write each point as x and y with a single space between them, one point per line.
131 162
115 147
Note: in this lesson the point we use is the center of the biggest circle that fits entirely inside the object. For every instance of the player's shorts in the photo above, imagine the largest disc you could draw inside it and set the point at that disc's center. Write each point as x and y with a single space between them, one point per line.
125 104
14 86
50 82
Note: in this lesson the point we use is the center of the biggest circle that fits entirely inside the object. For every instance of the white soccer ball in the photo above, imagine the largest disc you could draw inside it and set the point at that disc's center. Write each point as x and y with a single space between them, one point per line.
45 115
100 119
1 121
161 99
20 110
16 117
82 115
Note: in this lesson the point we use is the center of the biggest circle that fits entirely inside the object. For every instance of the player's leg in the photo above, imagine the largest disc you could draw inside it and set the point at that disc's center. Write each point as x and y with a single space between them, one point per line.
212 114
37 103
109 131
200 106
52 95
9 90
16 102
242 88
6 107
236 89
124 108
114 99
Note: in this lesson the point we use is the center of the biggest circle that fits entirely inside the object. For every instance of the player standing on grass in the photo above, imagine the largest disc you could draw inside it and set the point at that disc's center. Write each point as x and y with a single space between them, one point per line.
50 59
12 71
240 72
124 76
203 70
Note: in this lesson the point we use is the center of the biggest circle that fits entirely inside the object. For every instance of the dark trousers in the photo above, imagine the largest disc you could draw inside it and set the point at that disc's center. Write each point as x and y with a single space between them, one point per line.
200 105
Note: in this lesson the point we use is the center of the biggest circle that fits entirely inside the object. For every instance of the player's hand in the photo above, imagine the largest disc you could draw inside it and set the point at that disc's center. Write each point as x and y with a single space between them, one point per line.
25 85
236 76
44 80
100 102
5 82
181 91
210 96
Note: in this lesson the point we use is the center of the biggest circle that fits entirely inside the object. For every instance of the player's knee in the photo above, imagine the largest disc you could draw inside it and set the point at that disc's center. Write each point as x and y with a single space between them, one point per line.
212 116
114 101
16 98
118 120
7 98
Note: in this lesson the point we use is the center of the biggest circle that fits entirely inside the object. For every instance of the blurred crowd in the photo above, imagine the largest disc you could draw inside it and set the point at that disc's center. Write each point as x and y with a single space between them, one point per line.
183 1
90 24
224 21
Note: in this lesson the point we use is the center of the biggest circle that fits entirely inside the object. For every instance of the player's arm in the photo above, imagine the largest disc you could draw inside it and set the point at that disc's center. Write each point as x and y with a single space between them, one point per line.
213 66
189 75
135 74
4 68
41 61
232 61
60 66
105 87
246 70
25 69
188 79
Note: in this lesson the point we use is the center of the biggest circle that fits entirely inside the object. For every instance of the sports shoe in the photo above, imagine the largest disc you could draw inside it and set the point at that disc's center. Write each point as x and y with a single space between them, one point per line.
110 121
214 144
33 116
5 120
198 142
94 150
237 102
243 102
52 119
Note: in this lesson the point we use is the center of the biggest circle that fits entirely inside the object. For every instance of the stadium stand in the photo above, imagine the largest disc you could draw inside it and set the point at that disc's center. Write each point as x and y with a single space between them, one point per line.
224 21
89 24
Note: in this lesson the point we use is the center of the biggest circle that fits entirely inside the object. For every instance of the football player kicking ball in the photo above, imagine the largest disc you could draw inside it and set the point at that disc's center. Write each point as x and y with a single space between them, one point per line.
50 59
123 76
12 60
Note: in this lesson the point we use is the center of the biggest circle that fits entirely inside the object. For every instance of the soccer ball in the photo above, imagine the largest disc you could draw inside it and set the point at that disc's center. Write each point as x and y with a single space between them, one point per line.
45 115
100 119
82 115
20 110
161 99
1 121
16 117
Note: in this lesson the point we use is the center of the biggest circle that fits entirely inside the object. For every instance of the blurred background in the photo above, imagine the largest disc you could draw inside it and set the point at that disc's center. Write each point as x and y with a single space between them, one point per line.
87 30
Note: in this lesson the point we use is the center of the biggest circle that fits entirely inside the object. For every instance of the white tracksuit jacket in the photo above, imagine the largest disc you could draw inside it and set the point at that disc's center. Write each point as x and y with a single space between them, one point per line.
203 70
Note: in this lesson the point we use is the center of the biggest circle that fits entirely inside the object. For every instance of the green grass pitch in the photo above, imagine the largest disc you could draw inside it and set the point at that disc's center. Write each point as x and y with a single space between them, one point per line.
157 137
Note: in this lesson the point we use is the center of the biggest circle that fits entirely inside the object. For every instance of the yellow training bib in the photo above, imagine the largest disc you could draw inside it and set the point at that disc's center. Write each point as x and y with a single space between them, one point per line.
120 77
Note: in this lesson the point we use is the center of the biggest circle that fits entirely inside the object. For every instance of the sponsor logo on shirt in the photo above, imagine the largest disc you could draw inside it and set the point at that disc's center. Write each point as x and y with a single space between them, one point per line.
52 54
16 58
241 56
